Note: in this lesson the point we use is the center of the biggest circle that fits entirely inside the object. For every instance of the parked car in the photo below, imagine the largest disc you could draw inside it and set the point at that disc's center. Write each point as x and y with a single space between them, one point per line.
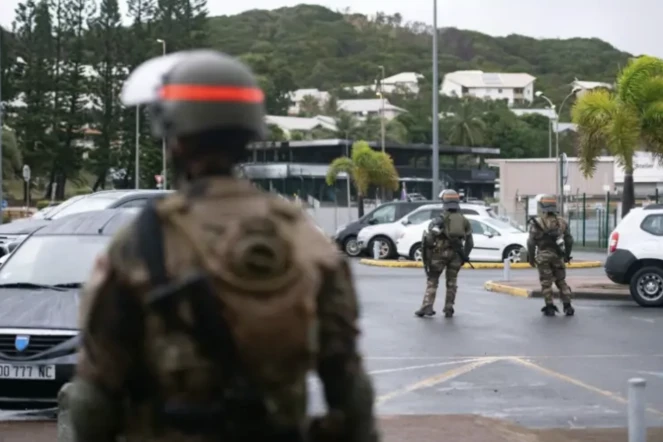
388 234
39 297
635 255
17 230
346 235
494 240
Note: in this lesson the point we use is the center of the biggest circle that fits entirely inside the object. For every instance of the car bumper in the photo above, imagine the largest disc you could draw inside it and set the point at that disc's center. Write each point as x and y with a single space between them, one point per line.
42 392
618 264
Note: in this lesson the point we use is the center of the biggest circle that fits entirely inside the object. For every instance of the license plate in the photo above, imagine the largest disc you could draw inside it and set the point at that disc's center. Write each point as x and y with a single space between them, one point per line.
27 372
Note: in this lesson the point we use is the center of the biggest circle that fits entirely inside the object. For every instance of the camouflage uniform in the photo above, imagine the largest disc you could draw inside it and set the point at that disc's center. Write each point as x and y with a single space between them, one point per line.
544 254
289 303
440 255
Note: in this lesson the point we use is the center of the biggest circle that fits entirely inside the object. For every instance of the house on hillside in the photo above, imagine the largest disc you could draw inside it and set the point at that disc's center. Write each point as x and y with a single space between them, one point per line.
321 97
512 87
404 81
550 114
361 108
583 86
299 124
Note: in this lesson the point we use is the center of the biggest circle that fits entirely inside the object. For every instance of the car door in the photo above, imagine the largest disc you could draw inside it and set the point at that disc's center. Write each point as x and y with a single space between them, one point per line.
484 247
494 243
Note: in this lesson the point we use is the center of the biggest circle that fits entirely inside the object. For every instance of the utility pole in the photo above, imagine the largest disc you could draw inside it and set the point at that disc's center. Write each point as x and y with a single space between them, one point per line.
137 173
382 109
436 112
163 141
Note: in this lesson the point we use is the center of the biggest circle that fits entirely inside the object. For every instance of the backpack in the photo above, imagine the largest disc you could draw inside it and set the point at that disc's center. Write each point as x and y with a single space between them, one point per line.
262 294
454 226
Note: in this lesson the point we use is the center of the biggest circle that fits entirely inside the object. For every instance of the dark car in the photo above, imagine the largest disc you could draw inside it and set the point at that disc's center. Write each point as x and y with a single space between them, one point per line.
17 230
346 235
39 298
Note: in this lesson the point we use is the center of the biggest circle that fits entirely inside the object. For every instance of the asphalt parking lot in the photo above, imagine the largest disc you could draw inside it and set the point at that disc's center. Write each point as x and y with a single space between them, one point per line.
499 357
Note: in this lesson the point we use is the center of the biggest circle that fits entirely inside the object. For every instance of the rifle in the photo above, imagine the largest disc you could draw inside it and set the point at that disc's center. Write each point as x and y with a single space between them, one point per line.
553 239
460 252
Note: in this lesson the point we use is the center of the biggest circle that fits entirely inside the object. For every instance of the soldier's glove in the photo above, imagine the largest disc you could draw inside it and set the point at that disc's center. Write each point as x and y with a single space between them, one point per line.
567 259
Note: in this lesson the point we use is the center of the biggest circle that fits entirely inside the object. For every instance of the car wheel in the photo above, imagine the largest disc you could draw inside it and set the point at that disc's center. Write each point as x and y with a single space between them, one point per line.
512 253
386 247
416 253
351 247
647 287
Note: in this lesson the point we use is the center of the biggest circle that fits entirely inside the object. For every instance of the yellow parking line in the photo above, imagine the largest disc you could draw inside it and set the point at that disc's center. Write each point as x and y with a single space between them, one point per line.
578 383
437 379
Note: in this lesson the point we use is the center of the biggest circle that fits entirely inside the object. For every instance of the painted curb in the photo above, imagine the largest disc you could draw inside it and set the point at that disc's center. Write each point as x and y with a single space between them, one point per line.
477 265
507 289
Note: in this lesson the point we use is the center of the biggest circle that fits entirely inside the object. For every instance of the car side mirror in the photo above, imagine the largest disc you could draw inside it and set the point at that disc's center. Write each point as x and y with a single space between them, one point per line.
488 234
406 222
372 221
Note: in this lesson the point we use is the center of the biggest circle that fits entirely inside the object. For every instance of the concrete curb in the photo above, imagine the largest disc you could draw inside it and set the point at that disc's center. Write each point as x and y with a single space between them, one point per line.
577 294
507 289
477 265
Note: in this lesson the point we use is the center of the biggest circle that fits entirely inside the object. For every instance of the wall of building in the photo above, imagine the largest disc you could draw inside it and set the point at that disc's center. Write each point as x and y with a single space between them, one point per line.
450 88
530 177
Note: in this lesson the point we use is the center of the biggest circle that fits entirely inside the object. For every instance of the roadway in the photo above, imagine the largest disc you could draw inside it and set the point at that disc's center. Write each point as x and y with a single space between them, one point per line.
499 357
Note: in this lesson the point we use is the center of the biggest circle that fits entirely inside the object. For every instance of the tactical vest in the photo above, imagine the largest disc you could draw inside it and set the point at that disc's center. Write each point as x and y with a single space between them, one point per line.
454 226
552 233
267 284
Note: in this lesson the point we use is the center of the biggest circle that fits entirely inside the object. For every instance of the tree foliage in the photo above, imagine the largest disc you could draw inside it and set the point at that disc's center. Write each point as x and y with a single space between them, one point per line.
365 167
622 122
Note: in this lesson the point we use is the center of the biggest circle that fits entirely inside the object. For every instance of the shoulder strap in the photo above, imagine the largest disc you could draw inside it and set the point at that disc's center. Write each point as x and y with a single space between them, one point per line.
150 244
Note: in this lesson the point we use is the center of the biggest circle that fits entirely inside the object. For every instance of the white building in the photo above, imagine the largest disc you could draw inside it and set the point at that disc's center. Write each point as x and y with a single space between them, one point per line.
647 174
298 96
405 81
300 124
583 86
515 88
361 108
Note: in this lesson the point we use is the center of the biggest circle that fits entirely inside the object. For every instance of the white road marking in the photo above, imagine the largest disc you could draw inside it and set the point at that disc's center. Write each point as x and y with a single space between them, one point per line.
649 320
417 367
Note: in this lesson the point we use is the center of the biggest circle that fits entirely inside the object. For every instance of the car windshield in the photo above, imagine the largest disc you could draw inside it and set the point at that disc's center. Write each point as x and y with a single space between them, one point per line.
40 260
504 226
83 205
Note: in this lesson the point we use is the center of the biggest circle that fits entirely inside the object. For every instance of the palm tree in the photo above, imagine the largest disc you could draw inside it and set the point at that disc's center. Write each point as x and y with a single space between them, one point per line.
465 127
309 106
347 125
365 167
622 122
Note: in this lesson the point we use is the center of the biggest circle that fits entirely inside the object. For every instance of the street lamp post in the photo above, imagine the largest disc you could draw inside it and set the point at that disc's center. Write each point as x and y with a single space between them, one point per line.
137 173
163 141
382 109
559 182
436 113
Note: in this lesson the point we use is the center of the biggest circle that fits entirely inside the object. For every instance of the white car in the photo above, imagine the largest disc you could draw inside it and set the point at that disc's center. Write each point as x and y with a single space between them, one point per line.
635 255
387 234
494 240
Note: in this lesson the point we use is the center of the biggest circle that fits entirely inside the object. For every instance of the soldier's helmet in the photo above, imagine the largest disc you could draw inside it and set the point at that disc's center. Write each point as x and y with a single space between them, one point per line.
197 91
450 199
547 204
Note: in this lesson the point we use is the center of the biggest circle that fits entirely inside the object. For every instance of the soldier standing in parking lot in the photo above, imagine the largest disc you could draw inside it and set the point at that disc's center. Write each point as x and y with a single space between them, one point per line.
204 317
549 249
446 245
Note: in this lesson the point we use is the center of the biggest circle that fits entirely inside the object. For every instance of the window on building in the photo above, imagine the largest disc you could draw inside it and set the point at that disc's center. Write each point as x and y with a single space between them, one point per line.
519 90
499 91
465 90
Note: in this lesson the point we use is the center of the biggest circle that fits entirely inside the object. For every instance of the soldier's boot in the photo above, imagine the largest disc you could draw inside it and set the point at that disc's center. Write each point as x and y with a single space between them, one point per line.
426 310
549 310
448 311
568 309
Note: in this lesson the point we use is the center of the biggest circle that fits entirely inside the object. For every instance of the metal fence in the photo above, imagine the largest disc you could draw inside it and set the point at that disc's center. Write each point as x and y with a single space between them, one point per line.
591 217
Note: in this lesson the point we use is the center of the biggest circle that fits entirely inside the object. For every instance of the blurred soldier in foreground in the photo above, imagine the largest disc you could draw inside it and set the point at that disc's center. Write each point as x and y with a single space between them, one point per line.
206 314
446 244
548 249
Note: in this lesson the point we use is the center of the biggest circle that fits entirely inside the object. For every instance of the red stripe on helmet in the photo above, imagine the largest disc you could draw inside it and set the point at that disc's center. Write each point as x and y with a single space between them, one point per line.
186 92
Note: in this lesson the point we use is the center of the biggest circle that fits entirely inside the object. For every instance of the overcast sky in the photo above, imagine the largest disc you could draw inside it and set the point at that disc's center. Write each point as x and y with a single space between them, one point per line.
635 26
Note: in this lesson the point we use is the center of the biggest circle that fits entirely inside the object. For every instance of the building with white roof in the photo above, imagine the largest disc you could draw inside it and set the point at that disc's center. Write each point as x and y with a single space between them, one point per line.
583 86
298 96
300 124
404 81
363 107
513 87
